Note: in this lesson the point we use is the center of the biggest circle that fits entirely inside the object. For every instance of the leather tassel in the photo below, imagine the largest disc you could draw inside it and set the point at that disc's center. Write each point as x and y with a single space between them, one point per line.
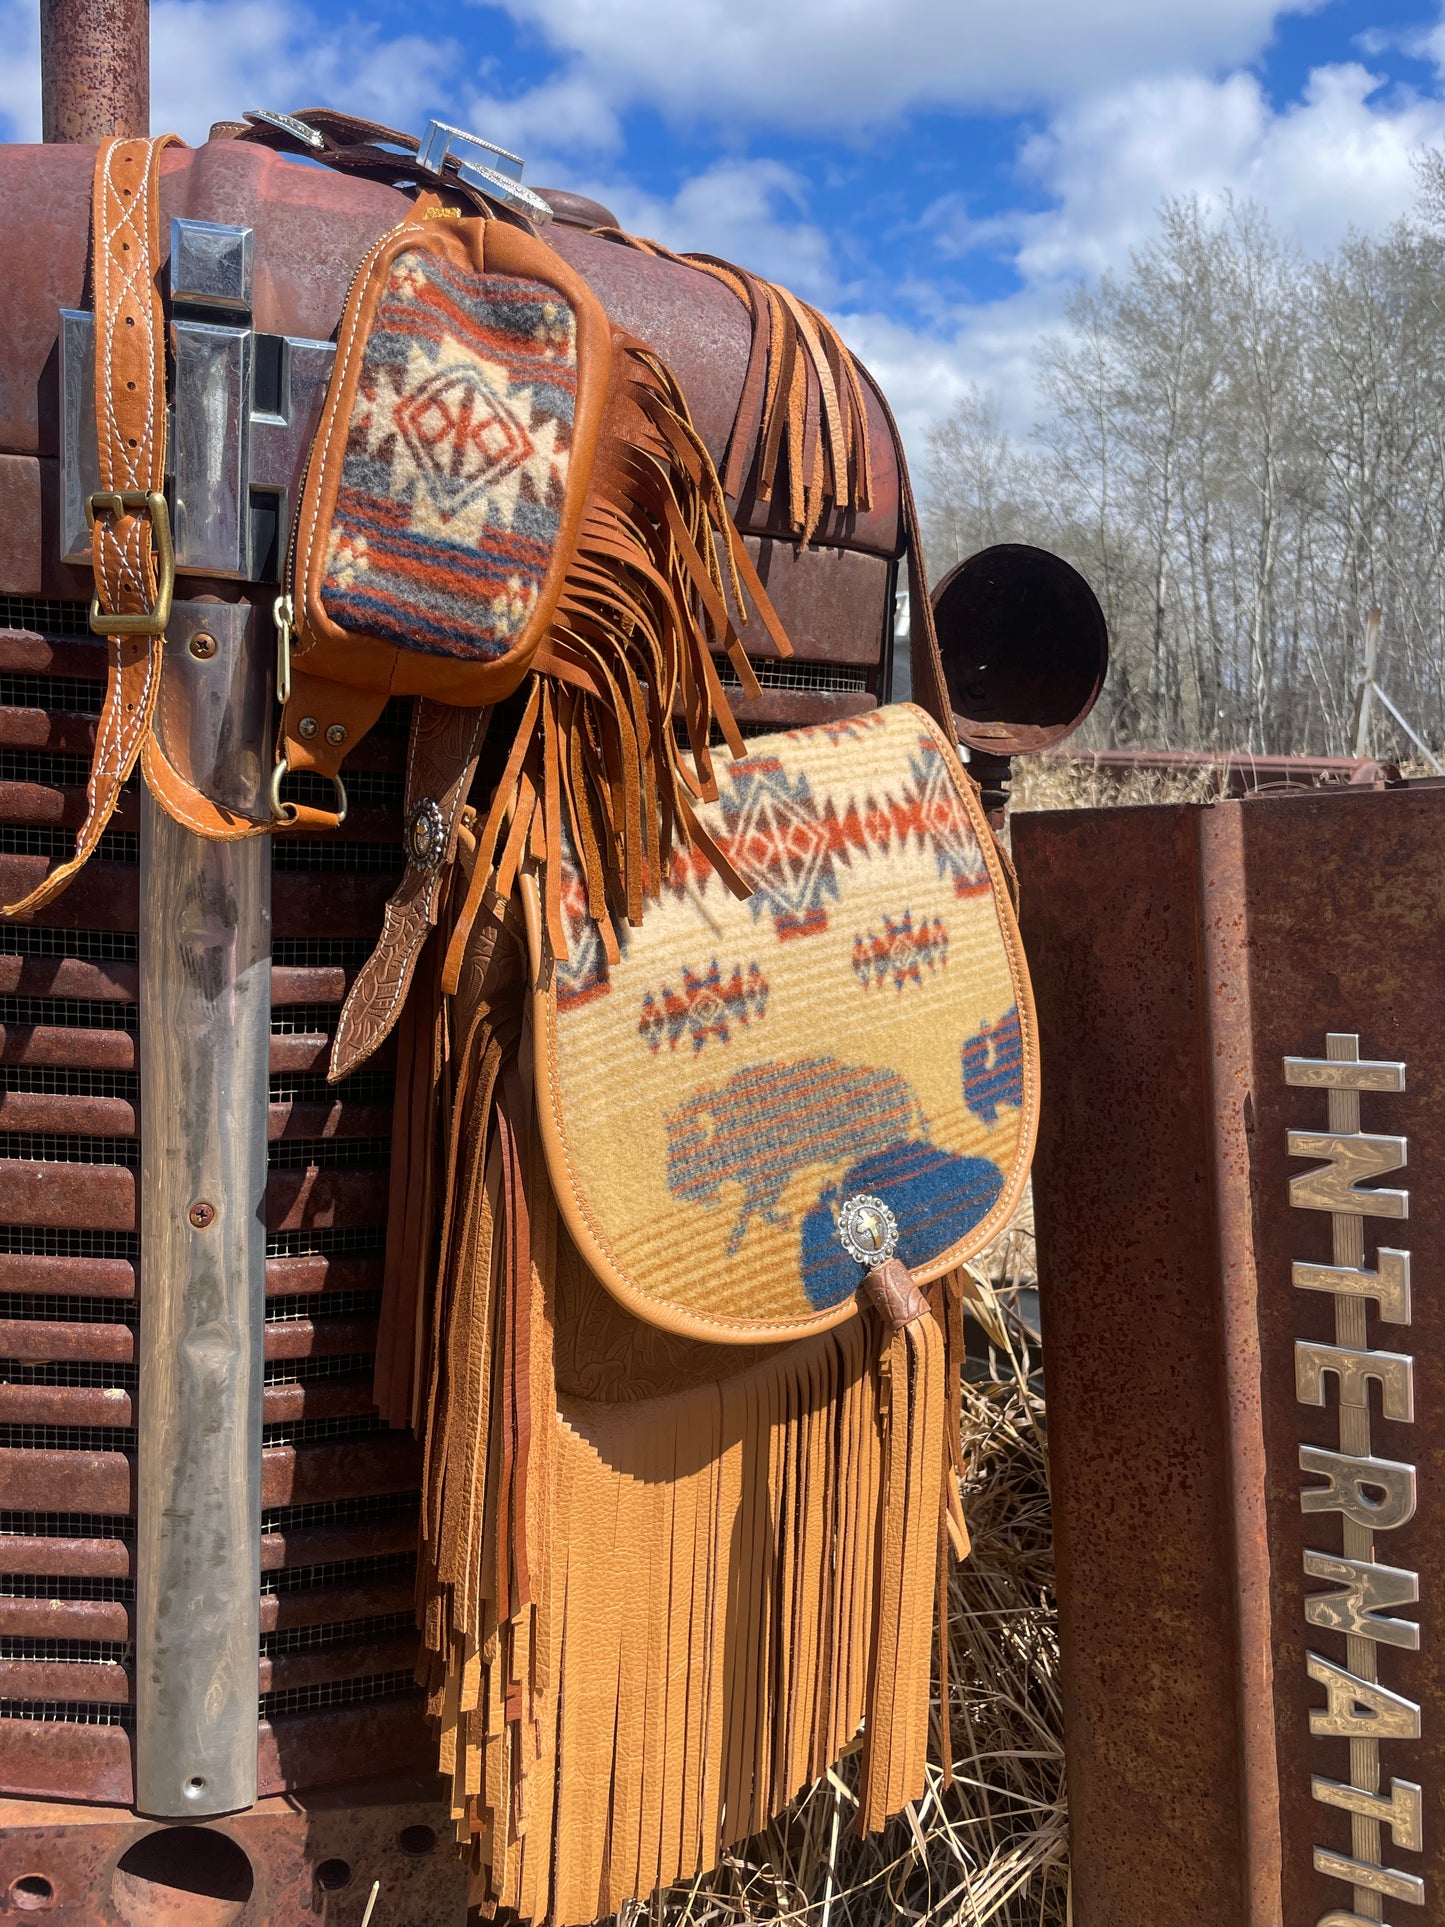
911 1406
802 388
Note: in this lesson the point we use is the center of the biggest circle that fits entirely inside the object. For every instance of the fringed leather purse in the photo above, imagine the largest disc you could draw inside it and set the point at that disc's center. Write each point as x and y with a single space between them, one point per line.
687 1371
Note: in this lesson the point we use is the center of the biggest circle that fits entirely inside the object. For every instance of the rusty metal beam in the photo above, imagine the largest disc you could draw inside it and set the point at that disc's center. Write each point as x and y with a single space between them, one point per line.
94 69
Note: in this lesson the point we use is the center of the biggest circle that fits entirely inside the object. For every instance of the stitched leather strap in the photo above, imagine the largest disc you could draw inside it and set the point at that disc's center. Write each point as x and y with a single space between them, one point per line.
441 762
130 414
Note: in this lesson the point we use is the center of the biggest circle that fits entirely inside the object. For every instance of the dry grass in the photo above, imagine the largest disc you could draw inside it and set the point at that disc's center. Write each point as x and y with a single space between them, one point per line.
1068 783
991 1850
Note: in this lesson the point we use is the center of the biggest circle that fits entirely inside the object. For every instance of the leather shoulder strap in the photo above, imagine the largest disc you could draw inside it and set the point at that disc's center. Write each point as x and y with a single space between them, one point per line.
130 528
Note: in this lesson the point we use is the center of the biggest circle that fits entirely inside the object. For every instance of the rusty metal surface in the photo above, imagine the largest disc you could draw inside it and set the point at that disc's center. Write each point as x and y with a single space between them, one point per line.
64 1760
1239 772
36 1479
1237 935
94 68
22 518
1127 1258
835 604
311 228
288 1859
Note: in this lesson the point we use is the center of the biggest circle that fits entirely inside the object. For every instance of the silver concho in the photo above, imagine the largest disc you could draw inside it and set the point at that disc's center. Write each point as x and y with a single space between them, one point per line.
426 835
867 1230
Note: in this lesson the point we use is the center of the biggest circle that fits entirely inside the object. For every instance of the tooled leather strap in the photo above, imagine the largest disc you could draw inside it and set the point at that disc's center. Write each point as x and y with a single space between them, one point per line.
440 764
130 536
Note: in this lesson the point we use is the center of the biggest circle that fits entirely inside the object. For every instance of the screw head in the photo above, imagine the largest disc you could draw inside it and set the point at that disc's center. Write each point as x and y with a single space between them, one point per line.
202 1214
203 646
307 727
336 735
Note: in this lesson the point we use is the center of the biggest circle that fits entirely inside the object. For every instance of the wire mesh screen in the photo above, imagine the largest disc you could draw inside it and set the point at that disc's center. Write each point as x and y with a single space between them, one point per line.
43 616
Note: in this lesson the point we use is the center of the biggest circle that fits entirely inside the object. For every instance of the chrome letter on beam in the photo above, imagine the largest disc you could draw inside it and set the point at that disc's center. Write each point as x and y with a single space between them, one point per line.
1370 1494
1367 1587
1393 1372
1351 1480
1358 1709
1402 1811
1352 1159
1388 1284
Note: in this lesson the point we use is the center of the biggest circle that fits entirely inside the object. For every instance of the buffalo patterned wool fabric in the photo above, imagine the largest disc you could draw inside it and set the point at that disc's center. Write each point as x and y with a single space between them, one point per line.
456 460
859 1024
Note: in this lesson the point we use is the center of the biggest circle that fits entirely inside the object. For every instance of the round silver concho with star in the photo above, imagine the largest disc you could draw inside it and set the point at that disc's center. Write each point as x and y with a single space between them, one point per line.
426 835
867 1230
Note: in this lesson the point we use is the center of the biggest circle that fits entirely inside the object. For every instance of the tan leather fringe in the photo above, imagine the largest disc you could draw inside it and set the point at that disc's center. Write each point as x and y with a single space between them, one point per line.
422 1077
644 608
648 1625
805 392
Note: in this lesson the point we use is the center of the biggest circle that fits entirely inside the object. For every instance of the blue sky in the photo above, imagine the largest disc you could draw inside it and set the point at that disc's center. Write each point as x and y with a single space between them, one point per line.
937 174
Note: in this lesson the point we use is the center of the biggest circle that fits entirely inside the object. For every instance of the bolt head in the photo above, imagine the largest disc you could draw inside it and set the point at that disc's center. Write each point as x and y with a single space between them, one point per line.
203 646
336 735
202 1215
307 727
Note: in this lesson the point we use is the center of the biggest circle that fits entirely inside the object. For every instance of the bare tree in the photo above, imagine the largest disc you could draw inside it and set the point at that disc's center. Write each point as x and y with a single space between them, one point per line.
1244 451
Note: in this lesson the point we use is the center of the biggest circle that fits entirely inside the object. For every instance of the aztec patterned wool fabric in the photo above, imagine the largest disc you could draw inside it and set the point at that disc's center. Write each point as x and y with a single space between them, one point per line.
456 462
861 1023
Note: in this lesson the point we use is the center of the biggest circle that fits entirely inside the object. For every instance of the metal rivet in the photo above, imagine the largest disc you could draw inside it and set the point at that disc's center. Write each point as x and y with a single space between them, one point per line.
203 646
307 727
336 735
201 1215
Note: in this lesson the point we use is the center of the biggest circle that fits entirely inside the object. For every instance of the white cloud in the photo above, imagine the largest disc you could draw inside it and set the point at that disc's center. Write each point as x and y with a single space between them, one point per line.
750 211
210 59
567 115
20 70
1340 157
851 64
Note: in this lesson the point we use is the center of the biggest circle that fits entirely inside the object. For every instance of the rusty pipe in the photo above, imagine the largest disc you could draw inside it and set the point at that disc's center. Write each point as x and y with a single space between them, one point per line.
94 69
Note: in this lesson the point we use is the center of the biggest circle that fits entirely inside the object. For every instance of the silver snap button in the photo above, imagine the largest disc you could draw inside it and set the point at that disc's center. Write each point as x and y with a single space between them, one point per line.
307 727
336 735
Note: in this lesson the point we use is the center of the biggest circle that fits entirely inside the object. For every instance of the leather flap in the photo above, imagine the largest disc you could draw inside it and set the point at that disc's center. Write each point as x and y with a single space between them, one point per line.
451 464
861 1024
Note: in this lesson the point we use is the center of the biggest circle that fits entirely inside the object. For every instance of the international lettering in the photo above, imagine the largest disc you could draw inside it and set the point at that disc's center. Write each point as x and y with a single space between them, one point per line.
1366 1494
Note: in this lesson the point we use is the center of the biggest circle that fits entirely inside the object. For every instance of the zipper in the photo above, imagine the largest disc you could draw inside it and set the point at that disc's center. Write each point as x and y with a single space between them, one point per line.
283 609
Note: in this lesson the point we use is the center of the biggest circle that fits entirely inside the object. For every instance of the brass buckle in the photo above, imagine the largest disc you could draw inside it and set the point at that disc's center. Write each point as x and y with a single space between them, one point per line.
131 501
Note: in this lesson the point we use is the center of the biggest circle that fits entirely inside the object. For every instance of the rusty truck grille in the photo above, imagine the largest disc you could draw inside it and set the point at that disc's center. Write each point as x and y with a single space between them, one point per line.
339 1489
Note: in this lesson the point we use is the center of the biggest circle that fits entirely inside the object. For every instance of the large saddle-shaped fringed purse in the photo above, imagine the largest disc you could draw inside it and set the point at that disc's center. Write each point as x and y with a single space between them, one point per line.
691 1406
